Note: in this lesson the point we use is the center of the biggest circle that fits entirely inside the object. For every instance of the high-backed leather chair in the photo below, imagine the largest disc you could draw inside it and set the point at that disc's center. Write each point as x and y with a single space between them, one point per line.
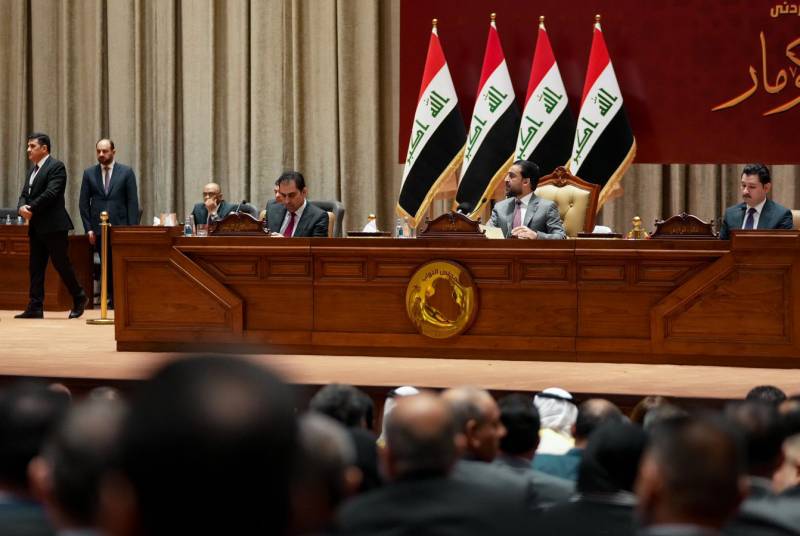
576 199
796 219
334 224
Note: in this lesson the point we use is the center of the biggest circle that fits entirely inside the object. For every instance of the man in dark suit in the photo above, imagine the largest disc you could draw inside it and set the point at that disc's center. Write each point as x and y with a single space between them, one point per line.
108 186
523 214
294 216
213 207
691 477
41 203
756 212
423 497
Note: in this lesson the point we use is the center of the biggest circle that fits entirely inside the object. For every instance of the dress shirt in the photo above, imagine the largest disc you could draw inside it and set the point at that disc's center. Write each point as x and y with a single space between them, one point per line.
298 214
523 208
759 207
40 163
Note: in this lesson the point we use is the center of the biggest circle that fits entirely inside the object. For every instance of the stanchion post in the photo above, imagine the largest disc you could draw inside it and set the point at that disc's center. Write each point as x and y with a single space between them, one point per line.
103 320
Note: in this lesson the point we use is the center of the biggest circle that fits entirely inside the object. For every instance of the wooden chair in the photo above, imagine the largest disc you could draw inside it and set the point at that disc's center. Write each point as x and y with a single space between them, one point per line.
576 199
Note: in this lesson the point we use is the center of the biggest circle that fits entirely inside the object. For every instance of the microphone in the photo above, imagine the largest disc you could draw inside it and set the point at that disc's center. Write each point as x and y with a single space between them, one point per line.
239 206
465 207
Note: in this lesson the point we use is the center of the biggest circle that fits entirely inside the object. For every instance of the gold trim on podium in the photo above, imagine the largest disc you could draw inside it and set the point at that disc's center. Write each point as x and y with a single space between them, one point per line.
103 320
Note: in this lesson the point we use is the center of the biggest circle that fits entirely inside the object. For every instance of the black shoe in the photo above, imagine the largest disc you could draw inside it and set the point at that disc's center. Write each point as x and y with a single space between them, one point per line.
78 307
30 314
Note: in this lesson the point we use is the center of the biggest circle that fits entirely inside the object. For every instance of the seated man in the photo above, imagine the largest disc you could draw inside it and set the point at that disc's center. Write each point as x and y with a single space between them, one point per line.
213 206
757 212
523 214
294 215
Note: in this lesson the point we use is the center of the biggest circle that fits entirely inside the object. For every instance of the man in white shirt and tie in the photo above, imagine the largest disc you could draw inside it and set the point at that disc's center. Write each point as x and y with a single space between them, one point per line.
108 186
525 215
756 212
294 216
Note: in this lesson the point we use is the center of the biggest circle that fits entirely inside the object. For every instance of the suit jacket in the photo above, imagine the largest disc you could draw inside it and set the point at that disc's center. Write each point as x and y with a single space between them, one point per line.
46 198
22 518
590 516
773 216
541 216
549 489
560 465
200 212
313 222
677 530
764 514
503 481
434 506
121 202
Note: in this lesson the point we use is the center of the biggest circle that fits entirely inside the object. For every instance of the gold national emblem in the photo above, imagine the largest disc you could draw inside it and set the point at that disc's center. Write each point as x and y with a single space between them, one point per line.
441 299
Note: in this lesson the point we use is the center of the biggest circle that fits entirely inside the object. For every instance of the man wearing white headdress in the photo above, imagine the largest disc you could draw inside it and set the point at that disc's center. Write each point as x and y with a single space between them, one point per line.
390 403
558 413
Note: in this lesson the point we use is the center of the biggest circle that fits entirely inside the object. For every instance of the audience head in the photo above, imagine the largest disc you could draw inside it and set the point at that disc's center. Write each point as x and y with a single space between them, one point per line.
28 415
66 475
788 474
763 433
610 462
692 472
325 474
478 420
292 190
521 421
391 402
209 446
344 403
420 438
557 410
768 394
592 414
756 184
644 406
661 413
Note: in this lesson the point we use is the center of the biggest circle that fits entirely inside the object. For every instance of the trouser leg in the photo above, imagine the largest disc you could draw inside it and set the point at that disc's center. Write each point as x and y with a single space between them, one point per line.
57 244
37 265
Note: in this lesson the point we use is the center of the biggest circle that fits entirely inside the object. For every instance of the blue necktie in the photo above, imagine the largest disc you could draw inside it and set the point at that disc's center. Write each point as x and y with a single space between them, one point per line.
750 221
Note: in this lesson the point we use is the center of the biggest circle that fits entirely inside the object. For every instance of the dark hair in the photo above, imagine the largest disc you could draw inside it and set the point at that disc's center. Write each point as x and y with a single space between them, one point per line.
209 447
610 462
646 404
292 176
521 419
41 138
29 412
701 461
109 140
343 403
769 394
763 433
529 170
79 453
592 414
758 169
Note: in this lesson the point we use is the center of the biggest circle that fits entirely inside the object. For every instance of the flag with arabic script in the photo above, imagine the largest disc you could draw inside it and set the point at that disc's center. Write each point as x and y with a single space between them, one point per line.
604 145
437 136
489 150
547 126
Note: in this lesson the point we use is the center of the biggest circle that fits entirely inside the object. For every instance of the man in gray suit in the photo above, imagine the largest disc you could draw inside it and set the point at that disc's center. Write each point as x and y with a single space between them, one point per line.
294 216
756 212
523 214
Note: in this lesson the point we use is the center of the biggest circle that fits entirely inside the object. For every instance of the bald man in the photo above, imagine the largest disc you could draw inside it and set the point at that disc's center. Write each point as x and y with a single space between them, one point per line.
213 206
421 450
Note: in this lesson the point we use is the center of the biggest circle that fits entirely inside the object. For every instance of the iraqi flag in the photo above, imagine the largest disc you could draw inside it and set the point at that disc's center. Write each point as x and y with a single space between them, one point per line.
489 150
604 145
437 136
547 126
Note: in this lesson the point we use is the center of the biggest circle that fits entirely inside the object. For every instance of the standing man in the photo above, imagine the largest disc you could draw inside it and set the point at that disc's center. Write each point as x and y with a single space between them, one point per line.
756 212
41 203
213 207
294 215
108 186
523 214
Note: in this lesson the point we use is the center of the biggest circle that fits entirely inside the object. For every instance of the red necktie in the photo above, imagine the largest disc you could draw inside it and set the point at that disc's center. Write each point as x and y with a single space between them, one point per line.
289 228
517 221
